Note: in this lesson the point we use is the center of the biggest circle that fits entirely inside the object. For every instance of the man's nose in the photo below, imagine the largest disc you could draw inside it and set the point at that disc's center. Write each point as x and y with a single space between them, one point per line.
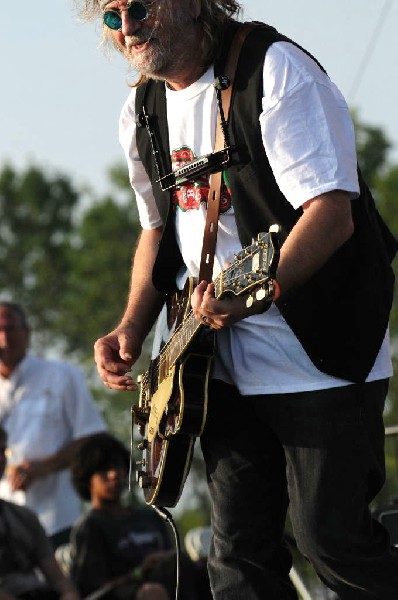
129 25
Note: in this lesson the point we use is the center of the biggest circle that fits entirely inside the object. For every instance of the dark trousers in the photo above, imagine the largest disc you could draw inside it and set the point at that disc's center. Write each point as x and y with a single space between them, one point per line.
321 451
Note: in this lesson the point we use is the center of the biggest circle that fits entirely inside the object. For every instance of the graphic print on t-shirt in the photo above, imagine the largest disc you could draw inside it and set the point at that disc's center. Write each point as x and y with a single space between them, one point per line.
191 195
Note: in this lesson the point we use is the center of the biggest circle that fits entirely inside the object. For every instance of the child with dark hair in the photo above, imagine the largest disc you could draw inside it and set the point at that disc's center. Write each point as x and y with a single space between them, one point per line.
113 545
96 456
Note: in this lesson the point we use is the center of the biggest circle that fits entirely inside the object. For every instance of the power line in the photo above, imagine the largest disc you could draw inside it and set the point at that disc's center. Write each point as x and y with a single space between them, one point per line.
370 48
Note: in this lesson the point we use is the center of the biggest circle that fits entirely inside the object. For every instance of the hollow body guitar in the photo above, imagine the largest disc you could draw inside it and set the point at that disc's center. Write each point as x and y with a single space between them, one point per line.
172 407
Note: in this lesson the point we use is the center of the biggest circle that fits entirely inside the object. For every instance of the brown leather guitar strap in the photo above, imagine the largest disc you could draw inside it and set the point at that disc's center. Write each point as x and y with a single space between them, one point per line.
215 182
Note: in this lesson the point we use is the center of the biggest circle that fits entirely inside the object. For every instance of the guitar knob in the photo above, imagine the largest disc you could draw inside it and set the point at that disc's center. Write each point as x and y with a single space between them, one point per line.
249 301
143 480
143 445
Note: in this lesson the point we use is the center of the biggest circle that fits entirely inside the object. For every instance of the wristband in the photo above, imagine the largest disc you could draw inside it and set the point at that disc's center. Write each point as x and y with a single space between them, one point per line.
277 290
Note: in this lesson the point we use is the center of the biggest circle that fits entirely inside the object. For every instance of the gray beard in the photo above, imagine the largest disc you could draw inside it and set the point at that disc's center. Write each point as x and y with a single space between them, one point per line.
152 60
166 53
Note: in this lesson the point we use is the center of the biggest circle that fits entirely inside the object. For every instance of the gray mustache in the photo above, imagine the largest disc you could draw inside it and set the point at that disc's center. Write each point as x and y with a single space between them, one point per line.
140 37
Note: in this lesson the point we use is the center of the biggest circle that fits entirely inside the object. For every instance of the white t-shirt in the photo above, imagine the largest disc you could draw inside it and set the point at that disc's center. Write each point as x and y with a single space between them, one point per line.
44 406
309 139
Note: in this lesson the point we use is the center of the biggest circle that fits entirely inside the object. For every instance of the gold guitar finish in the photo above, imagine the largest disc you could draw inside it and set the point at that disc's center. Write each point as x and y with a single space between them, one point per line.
159 403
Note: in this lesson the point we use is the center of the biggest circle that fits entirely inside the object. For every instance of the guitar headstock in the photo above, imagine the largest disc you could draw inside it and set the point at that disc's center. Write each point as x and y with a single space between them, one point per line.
253 269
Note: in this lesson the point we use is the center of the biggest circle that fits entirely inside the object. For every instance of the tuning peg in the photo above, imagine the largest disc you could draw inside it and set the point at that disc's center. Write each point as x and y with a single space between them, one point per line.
275 228
249 301
260 294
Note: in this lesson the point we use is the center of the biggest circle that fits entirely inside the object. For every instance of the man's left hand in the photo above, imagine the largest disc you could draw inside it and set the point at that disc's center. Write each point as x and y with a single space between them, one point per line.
220 313
22 475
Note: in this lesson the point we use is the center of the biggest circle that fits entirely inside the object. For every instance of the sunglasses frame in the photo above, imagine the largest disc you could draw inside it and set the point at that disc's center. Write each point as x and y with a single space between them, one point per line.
129 8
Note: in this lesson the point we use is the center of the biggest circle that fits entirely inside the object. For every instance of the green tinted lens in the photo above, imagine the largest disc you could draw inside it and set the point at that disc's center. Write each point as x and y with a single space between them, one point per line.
137 11
112 19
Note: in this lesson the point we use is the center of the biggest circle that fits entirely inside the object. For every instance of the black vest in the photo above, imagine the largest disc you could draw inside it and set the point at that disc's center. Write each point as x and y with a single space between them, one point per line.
341 314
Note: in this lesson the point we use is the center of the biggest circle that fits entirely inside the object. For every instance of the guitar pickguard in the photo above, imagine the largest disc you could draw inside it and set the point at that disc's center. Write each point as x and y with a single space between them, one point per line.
159 403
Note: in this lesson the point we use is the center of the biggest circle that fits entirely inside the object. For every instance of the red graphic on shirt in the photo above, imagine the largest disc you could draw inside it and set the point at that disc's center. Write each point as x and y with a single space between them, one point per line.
192 194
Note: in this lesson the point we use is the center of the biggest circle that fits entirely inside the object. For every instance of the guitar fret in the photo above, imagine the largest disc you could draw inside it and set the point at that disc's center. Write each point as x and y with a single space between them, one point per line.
181 337
179 341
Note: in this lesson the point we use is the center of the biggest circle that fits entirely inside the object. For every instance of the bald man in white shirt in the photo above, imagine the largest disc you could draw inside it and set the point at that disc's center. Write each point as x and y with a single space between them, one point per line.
47 410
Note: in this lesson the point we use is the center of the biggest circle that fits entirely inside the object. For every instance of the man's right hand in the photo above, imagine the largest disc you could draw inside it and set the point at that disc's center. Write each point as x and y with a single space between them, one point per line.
114 355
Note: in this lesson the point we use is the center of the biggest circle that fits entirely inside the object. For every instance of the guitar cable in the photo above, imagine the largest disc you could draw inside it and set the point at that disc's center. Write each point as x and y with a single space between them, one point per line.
162 512
166 515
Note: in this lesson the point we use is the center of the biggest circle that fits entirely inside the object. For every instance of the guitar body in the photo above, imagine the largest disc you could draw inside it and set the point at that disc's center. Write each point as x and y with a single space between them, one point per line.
172 408
168 444
165 466
166 459
178 390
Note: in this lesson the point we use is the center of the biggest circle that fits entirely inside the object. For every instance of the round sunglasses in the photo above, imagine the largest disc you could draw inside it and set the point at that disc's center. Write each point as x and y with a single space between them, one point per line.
136 10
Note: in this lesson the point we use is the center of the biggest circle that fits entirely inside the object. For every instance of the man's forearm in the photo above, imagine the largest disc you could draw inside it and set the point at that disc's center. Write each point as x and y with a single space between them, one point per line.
325 225
116 352
144 301
22 475
59 460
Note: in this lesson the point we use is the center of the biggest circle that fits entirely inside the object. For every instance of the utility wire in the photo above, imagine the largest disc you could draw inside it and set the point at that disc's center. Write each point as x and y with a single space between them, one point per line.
369 50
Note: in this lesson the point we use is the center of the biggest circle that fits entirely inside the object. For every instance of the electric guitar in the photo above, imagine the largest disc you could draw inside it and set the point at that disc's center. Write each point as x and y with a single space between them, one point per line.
172 406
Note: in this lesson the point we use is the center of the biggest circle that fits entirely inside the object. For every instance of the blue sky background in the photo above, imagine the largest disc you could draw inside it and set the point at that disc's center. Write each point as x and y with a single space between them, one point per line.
60 96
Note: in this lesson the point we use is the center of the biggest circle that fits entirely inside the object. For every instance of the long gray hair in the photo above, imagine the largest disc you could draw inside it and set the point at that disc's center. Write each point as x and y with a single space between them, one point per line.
213 17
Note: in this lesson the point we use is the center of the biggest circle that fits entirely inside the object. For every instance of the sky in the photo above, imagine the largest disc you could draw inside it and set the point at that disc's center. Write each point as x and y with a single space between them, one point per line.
61 95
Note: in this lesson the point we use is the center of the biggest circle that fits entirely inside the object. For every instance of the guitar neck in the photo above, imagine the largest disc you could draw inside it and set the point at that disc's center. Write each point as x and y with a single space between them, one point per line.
177 344
181 339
